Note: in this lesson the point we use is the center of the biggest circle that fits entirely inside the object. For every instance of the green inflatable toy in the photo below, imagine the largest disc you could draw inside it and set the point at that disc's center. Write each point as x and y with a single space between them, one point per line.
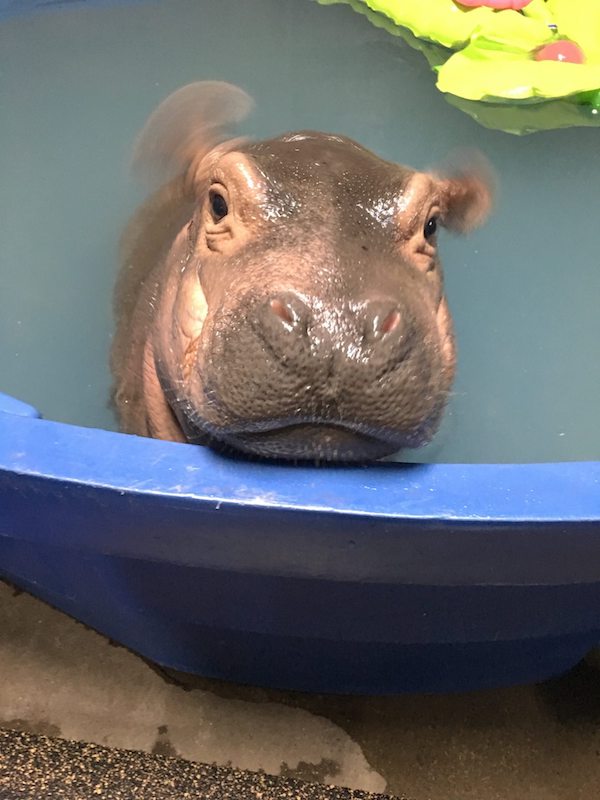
514 65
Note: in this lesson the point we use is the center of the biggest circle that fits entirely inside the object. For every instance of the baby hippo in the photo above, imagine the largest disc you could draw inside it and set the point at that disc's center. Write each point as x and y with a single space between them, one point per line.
284 298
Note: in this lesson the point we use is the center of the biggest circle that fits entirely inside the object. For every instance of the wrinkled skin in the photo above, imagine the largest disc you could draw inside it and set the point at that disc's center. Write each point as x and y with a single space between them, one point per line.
284 298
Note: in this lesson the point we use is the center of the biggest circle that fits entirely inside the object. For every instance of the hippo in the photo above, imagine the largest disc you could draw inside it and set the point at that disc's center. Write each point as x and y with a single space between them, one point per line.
284 298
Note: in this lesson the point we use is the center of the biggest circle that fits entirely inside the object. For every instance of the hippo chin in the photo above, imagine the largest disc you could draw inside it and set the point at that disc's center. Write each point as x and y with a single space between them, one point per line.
284 298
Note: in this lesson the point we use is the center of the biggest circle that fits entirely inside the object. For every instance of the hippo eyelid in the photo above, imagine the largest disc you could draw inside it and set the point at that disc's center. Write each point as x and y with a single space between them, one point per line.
431 226
218 206
218 202
421 240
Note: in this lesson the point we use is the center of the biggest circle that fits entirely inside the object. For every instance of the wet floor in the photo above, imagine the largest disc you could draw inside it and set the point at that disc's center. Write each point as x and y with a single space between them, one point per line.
534 743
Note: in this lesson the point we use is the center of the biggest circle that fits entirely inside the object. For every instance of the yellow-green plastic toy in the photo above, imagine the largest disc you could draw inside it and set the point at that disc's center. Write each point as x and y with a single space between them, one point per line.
515 65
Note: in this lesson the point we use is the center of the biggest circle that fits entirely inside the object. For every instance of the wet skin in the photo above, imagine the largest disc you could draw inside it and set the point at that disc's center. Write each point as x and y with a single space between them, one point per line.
285 298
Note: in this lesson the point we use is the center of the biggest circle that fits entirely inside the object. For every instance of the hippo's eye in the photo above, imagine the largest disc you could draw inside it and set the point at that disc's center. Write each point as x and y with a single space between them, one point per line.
430 227
218 206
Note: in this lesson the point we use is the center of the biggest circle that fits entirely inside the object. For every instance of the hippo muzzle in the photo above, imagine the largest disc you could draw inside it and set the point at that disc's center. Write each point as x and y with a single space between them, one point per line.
294 307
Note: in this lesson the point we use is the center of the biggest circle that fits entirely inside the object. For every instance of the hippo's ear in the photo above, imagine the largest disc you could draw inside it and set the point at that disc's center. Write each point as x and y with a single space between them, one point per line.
186 126
467 193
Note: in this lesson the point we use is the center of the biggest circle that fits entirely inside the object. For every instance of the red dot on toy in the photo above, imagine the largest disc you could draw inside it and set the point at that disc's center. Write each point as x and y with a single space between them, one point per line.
515 5
562 50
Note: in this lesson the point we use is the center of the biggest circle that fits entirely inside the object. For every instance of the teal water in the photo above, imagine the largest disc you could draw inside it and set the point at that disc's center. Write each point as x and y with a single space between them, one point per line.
77 84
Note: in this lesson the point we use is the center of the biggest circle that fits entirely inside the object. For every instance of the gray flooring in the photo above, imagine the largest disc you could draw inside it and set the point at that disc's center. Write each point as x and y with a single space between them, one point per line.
531 743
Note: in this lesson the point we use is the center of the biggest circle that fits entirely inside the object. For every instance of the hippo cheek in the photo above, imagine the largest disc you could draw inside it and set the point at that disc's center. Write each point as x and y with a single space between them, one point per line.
445 329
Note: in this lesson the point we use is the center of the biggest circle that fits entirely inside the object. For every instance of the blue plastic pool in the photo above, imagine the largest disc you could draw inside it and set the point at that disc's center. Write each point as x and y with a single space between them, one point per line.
392 577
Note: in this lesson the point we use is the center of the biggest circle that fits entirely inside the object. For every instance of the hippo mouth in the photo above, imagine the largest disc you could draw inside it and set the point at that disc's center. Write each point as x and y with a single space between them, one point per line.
314 441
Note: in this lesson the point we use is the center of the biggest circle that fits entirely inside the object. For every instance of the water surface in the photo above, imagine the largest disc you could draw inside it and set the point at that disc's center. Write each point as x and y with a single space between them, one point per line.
77 83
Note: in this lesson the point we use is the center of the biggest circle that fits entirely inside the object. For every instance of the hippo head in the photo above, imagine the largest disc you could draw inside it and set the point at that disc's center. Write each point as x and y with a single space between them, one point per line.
301 311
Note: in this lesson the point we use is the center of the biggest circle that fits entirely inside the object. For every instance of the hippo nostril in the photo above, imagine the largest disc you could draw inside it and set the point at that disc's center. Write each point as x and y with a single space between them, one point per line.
286 312
283 311
391 322
381 318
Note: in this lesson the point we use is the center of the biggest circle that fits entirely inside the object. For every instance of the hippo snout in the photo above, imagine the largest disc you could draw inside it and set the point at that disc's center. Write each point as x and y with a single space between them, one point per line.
287 363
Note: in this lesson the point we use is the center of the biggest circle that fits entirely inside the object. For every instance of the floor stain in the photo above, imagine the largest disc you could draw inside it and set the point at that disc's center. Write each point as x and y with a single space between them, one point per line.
322 772
162 746
537 742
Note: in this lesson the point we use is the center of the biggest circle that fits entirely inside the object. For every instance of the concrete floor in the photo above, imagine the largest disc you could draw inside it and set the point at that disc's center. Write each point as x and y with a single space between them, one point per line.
530 743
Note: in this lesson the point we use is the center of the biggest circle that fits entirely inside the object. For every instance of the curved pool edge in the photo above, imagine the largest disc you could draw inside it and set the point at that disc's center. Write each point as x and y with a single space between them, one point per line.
564 492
